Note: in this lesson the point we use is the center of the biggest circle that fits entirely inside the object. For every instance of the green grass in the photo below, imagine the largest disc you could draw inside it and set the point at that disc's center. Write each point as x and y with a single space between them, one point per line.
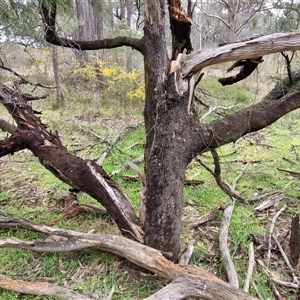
28 190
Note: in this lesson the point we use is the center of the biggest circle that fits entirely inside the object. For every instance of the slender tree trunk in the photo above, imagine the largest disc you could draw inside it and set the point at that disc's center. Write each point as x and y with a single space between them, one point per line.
59 91
129 56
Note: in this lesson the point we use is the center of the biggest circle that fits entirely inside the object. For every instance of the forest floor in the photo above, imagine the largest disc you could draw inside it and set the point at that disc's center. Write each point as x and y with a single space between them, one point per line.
265 163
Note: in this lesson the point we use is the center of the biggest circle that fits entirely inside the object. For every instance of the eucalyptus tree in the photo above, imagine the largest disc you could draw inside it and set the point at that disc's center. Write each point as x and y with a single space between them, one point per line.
174 135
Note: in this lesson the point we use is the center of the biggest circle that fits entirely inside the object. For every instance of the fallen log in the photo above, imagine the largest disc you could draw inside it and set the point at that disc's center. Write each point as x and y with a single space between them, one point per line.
188 279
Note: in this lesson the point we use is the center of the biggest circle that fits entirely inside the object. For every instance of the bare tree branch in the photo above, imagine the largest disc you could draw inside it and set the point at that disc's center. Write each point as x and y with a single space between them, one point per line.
261 46
253 118
49 16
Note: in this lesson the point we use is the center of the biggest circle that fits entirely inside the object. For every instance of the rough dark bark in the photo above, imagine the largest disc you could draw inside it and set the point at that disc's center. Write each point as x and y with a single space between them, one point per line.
81 174
180 28
166 158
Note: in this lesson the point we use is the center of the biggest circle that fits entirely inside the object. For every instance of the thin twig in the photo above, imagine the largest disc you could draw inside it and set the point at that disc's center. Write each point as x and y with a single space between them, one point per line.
295 279
272 279
24 80
250 267
127 165
217 175
223 245
212 109
240 175
271 231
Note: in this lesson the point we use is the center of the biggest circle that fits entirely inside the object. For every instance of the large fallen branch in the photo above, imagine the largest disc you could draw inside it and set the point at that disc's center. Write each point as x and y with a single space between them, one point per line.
40 289
189 280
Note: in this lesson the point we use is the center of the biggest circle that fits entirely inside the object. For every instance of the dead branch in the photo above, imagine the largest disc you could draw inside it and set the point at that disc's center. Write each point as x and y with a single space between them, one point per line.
90 132
24 80
235 181
261 46
271 278
292 173
186 254
250 267
248 66
276 280
110 145
271 200
294 243
223 245
265 196
28 97
83 175
271 231
84 208
217 175
204 219
127 166
213 109
206 285
40 289
293 271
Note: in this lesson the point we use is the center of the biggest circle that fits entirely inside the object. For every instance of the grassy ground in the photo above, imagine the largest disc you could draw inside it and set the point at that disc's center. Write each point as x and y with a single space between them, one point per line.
28 190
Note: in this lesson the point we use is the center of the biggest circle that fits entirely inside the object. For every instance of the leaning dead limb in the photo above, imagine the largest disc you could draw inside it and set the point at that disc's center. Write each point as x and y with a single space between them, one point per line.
83 175
205 284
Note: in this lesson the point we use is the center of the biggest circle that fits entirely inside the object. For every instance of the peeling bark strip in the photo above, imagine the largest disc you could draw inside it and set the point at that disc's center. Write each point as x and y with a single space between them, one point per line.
203 284
83 175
